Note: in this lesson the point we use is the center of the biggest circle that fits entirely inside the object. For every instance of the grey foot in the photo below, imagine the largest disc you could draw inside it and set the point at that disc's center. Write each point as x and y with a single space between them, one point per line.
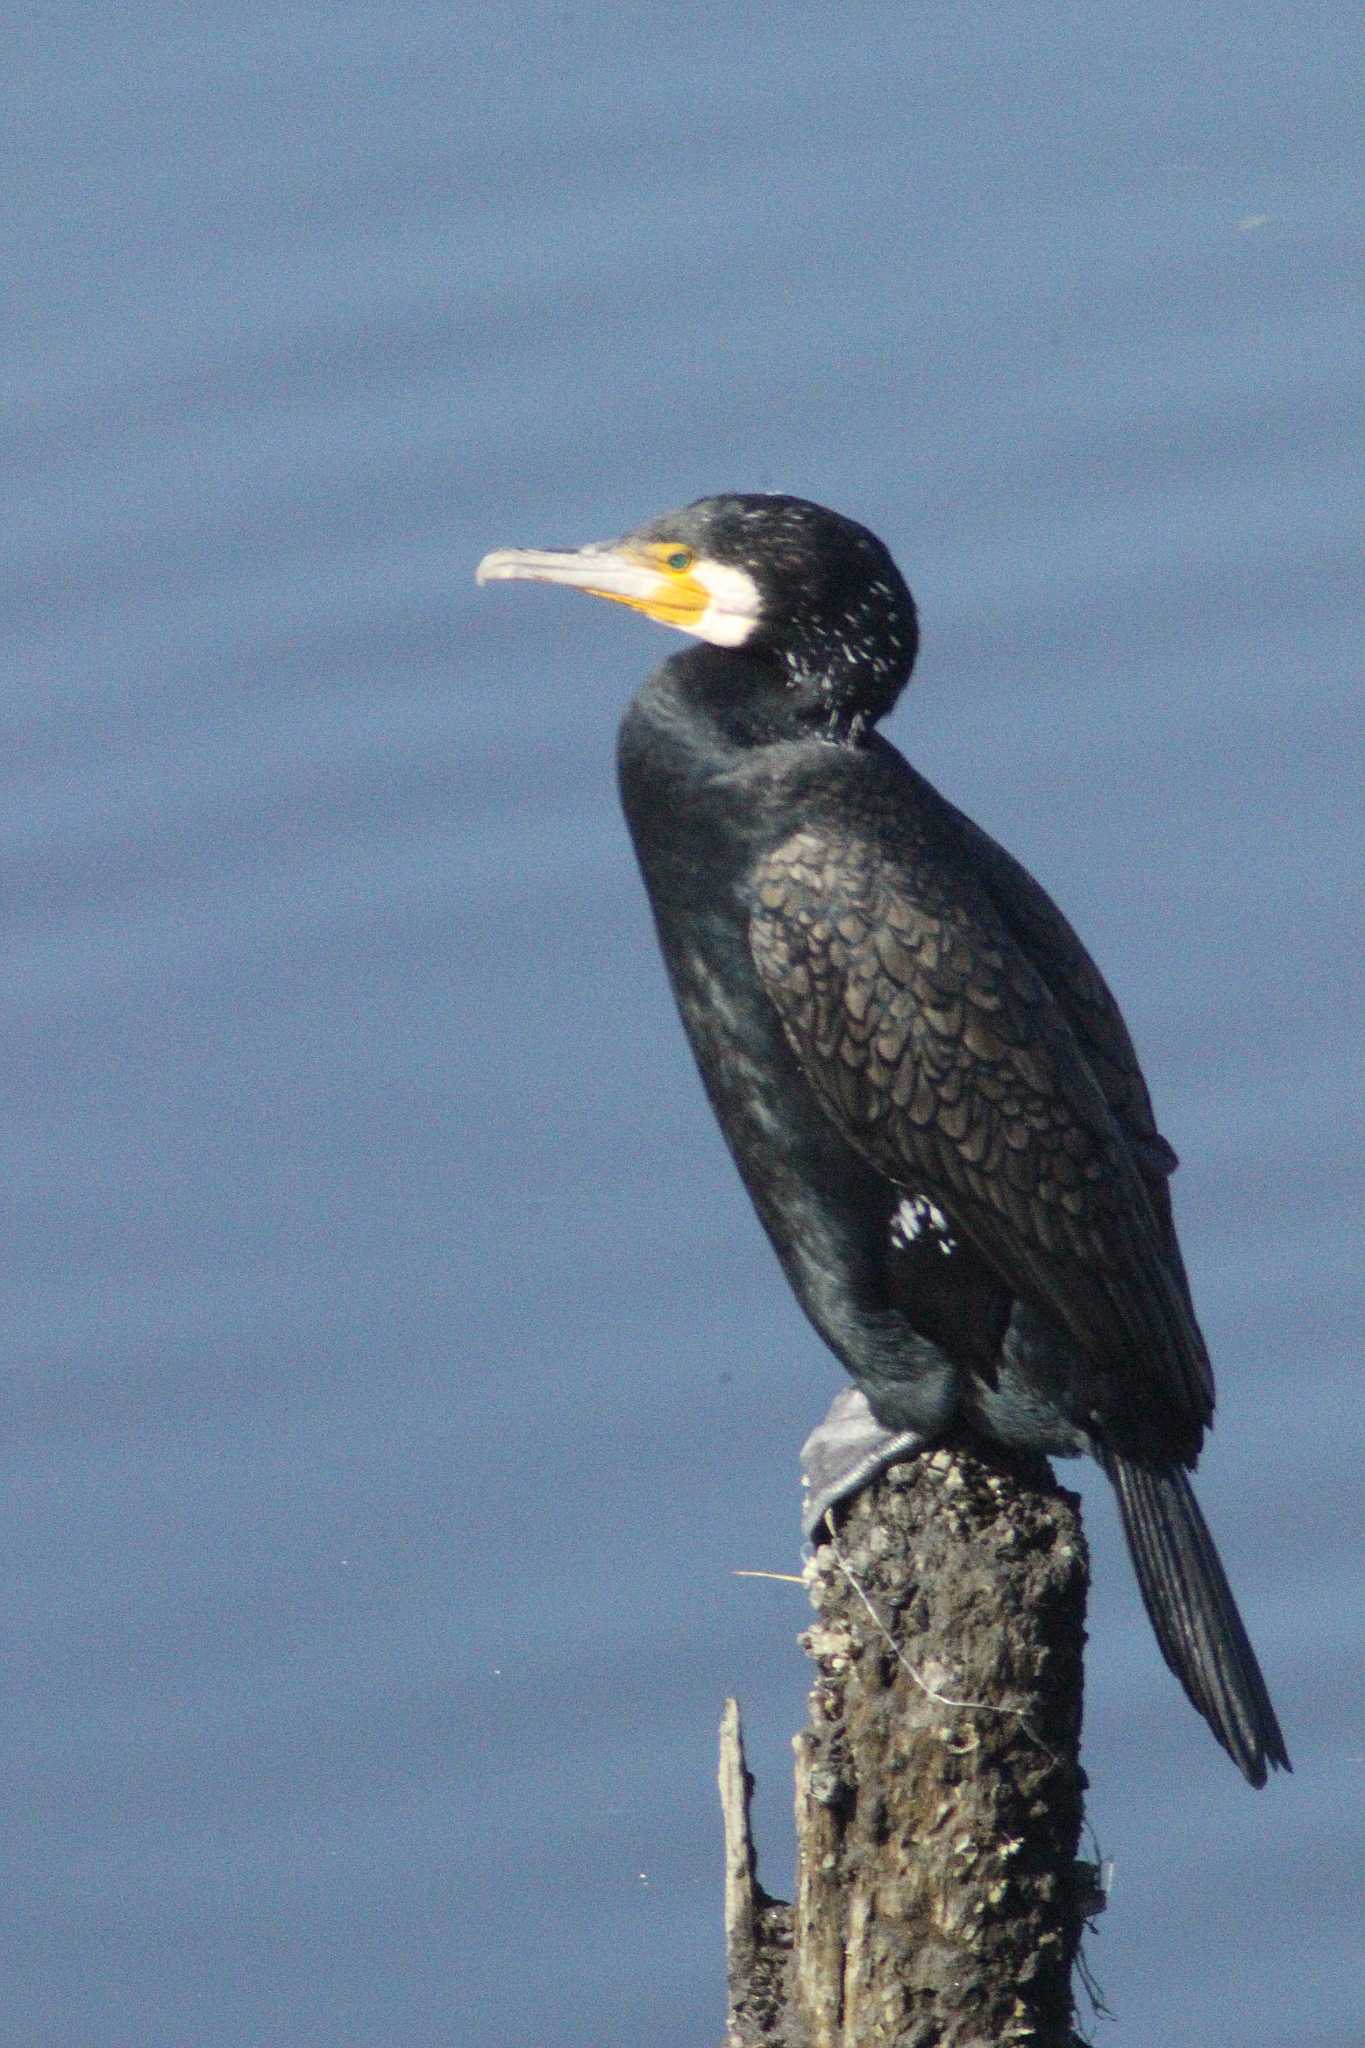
845 1453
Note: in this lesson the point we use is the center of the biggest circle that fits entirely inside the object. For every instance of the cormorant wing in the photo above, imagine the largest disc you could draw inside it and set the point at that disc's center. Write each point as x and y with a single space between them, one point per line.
946 1061
1085 1000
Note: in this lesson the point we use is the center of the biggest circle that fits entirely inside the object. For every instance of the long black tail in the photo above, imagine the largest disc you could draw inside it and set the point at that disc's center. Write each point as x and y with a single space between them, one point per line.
1190 1603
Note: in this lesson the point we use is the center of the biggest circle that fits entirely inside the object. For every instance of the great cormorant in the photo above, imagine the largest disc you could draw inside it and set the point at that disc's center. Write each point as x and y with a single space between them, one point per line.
925 1083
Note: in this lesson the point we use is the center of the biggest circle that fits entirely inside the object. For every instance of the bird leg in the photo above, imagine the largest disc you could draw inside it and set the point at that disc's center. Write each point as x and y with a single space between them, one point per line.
845 1453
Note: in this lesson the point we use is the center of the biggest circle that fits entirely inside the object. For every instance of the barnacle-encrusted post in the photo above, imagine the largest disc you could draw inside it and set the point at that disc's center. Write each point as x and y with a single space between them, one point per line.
939 1900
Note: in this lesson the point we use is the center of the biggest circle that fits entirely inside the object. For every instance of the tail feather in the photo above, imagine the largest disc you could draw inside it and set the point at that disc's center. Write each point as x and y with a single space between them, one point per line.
1190 1604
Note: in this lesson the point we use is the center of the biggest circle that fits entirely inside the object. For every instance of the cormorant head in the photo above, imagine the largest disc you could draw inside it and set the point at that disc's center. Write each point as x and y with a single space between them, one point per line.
779 577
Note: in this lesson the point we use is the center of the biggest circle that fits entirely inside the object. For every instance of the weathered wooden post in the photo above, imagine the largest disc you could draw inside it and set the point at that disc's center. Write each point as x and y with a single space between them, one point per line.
938 1785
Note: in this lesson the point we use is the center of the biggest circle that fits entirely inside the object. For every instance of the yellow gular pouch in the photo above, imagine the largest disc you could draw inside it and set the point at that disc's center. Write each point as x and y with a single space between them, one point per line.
677 599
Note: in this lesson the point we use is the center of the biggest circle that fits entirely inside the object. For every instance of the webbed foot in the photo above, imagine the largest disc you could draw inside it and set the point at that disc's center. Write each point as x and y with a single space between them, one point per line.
845 1453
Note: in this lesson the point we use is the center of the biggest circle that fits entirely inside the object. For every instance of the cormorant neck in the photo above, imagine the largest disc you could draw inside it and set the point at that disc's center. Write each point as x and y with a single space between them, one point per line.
756 697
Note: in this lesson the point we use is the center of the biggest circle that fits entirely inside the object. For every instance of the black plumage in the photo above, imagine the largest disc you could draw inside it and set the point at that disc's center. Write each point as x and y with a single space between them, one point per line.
926 1085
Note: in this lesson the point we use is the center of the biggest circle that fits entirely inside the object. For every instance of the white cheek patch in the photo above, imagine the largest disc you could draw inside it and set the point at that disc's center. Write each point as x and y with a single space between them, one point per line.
735 605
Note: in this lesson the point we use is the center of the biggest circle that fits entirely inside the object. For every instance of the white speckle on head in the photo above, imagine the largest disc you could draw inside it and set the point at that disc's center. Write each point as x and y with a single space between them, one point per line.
735 604
915 1217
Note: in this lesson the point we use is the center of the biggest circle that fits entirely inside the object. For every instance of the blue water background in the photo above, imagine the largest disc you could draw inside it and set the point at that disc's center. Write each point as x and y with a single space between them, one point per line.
395 1375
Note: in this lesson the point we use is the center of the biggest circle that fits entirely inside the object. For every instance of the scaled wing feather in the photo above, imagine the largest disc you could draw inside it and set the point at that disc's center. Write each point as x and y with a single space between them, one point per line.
948 1063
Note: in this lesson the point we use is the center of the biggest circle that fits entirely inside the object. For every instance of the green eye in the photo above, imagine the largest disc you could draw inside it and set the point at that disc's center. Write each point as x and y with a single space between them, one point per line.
679 559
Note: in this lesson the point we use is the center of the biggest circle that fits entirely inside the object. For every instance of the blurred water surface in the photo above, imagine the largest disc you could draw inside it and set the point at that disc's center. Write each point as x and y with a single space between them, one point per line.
395 1373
